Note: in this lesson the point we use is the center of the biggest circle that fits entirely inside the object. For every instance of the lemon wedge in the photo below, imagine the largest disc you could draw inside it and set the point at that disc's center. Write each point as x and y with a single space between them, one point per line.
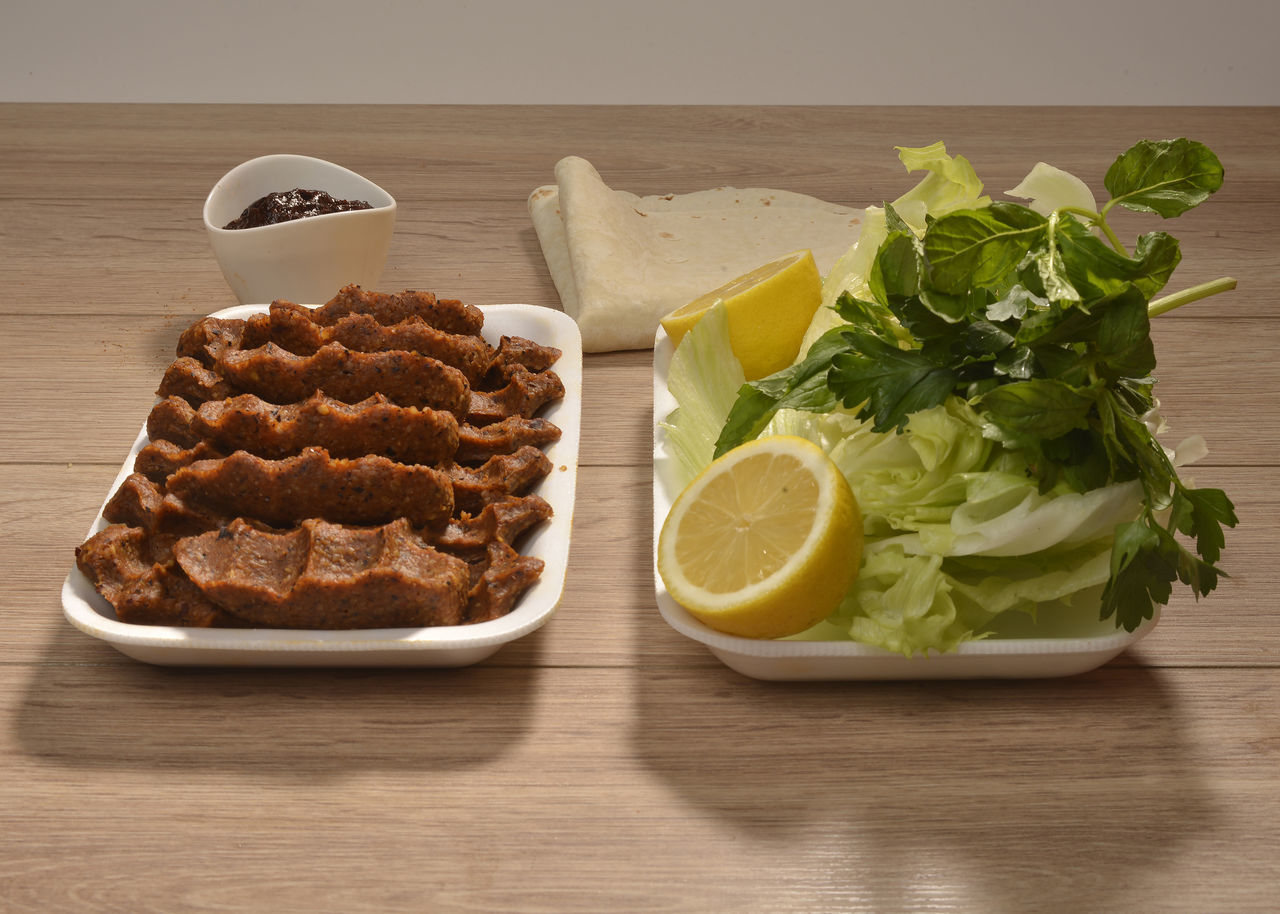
765 542
769 310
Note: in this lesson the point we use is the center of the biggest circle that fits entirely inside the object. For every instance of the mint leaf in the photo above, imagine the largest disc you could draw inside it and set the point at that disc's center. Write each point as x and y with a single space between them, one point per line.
870 316
1095 269
955 308
1157 254
1124 337
1167 177
980 248
984 337
1020 364
1057 325
898 270
1051 270
1044 408
1015 305
932 317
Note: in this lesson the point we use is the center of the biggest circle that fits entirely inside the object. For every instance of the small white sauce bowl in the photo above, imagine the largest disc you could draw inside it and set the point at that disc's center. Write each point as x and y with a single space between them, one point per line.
304 260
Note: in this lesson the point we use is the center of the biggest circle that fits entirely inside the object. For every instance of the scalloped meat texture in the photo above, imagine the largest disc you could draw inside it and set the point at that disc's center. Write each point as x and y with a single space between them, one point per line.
498 477
159 460
407 434
145 588
181 434
447 314
525 393
140 504
375 425
506 436
136 571
502 520
507 574
327 576
279 376
363 490
294 328
406 378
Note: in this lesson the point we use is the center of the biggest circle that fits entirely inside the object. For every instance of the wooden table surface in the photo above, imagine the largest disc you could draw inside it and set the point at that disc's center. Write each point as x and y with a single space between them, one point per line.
603 763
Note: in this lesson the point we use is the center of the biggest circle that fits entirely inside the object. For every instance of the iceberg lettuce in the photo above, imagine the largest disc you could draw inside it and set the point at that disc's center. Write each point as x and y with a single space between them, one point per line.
913 604
951 184
1049 188
957 531
703 377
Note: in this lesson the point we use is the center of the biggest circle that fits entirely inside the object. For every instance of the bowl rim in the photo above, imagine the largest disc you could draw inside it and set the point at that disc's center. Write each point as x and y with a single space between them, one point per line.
388 206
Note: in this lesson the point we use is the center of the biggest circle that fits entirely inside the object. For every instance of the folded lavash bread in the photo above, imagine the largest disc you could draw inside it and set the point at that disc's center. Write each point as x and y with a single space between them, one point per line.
620 261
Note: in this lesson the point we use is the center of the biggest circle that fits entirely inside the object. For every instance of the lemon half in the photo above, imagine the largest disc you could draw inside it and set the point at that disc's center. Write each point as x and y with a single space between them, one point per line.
765 542
769 310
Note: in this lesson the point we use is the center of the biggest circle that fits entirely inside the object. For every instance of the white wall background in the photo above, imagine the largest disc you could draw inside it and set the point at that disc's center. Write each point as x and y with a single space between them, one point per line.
1161 52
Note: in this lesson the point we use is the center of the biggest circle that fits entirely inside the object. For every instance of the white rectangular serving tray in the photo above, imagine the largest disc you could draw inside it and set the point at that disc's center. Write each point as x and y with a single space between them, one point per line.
441 646
1035 655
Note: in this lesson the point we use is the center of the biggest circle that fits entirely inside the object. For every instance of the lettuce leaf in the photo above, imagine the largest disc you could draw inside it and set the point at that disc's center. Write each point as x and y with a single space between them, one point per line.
1048 188
912 482
703 377
951 184
914 604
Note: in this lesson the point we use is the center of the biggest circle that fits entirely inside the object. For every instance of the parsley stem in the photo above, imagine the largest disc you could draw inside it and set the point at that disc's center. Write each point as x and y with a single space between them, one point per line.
1186 296
1100 220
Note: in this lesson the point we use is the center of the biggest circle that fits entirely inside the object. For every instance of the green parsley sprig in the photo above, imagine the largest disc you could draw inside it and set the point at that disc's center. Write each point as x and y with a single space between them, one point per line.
1042 324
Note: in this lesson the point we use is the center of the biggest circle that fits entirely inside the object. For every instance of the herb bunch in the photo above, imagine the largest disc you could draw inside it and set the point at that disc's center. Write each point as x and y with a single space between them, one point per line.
1042 324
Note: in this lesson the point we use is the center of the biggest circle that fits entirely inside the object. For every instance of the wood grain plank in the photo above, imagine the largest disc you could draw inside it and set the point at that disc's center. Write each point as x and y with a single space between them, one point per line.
679 146
149 790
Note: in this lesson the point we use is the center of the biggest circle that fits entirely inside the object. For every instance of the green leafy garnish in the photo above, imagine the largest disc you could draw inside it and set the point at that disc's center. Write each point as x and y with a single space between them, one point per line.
1040 322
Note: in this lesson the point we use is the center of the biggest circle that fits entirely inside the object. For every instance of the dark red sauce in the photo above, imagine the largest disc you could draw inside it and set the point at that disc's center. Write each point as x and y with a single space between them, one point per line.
285 206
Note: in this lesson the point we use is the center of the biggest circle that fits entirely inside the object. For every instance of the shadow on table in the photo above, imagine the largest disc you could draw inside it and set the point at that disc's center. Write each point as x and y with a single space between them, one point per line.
1016 789
999 786
292 724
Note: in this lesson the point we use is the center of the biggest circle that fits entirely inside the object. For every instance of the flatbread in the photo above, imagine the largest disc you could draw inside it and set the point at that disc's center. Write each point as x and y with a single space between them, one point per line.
620 261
